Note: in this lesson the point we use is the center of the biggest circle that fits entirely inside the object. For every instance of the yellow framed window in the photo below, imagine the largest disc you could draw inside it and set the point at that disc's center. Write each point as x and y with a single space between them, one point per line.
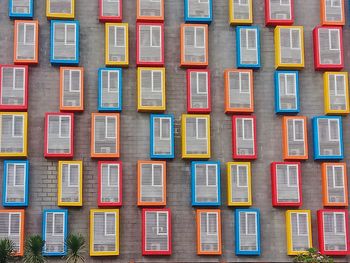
151 89
239 184
70 183
104 232
117 44
336 93
289 47
60 9
241 12
195 136
299 232
13 134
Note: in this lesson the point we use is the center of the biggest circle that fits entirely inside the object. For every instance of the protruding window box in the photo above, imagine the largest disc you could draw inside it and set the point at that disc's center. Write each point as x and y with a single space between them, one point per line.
26 42
244 141
150 10
198 91
109 184
198 11
248 47
117 44
332 12
110 90
279 12
239 184
336 93
60 9
162 136
71 89
21 9
110 10
241 12
287 98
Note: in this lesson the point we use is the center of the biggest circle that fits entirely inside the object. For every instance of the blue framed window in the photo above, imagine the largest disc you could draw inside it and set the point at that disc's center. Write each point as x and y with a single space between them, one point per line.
328 138
205 183
198 11
248 47
247 232
23 9
162 136
64 42
110 86
15 183
55 229
287 99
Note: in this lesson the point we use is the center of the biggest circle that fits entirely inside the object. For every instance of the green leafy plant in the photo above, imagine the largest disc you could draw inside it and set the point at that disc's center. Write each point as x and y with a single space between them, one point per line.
7 250
76 248
33 250
313 256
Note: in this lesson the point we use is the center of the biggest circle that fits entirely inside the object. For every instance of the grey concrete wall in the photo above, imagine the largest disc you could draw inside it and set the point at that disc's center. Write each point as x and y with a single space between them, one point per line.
44 97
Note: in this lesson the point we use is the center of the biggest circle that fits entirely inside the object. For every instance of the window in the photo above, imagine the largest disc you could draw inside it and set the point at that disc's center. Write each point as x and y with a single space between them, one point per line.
201 82
302 224
335 3
64 127
157 175
250 224
110 123
69 34
17 126
287 83
164 129
212 226
333 130
292 176
201 128
162 223
14 225
26 34
242 176
112 170
74 80
294 35
334 39
119 36
156 80
244 82
18 174
337 81
155 36
57 224
211 175
112 75
73 171
109 224
245 129
298 130
250 37
338 176
199 37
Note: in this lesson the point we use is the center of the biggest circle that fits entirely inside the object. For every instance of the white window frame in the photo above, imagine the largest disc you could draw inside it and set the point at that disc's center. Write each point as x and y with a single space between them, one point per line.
106 127
335 232
69 175
329 130
161 129
335 1
294 133
246 223
25 25
283 4
153 181
60 127
284 76
10 221
54 223
246 44
15 175
14 116
330 30
197 82
291 41
66 25
29 8
240 83
71 7
157 223
207 175
109 175
115 36
298 214
14 78
109 73
289 184
334 174
237 174
105 224
151 36
209 233
70 80
196 45
152 81
243 4
243 129
336 76
197 128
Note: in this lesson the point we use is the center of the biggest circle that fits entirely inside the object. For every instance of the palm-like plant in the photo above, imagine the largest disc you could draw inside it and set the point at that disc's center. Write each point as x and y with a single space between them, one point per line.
76 248
7 250
33 250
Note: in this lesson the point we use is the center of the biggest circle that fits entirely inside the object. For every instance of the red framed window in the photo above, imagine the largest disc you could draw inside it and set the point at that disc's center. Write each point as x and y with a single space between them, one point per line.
198 91
109 184
244 137
328 48
13 88
156 232
110 10
286 184
279 12
59 130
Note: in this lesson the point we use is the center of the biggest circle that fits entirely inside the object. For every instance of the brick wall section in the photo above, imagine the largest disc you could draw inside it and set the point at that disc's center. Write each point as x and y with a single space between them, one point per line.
44 97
